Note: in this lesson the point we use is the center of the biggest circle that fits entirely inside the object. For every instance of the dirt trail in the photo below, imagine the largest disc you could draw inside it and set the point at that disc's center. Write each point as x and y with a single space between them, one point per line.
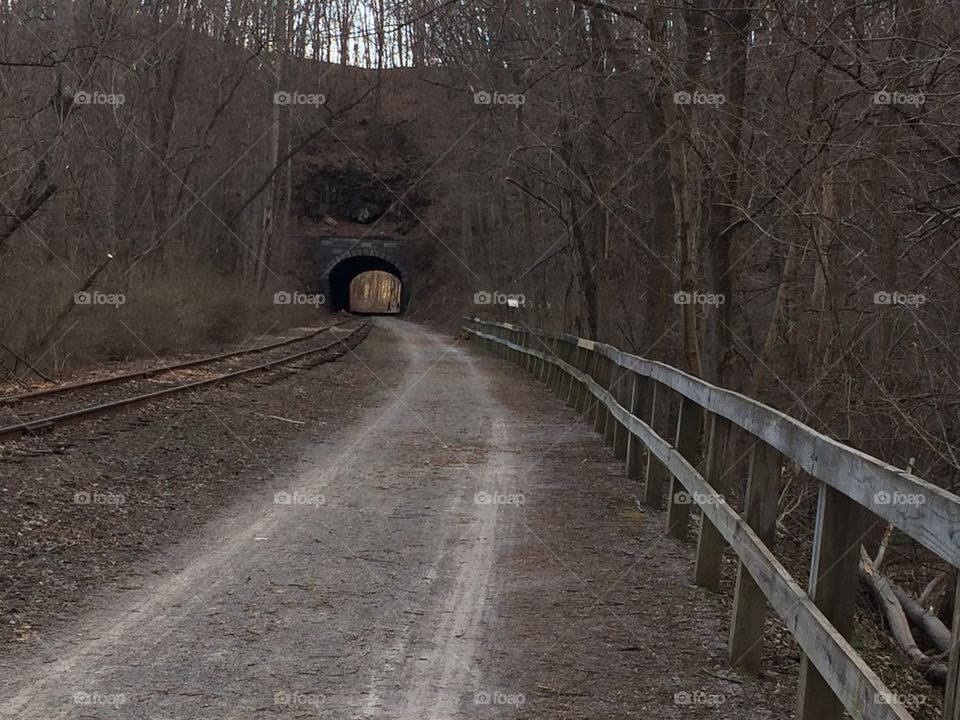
457 553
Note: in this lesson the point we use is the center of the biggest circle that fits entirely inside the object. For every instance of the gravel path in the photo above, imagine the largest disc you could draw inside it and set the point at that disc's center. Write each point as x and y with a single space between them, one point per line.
458 549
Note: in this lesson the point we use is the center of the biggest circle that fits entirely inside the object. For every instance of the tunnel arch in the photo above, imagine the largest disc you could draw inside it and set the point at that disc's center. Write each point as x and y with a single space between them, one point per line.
346 266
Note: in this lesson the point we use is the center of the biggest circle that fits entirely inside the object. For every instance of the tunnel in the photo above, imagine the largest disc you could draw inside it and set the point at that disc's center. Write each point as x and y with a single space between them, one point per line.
343 274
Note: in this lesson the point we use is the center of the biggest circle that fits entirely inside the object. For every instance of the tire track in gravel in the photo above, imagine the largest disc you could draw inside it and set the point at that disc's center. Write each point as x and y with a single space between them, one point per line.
436 690
364 597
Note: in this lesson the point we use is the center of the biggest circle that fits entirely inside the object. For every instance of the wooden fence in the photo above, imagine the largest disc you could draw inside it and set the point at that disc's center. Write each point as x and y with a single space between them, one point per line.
624 397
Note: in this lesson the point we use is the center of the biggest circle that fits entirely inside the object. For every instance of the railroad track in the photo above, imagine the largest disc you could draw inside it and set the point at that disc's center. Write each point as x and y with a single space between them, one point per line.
324 353
161 369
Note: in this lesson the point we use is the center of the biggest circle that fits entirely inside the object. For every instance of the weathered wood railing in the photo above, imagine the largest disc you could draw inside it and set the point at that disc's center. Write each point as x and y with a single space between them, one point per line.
623 396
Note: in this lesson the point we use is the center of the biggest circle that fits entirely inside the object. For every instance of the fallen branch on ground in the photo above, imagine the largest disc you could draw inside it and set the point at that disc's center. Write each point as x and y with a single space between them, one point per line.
884 592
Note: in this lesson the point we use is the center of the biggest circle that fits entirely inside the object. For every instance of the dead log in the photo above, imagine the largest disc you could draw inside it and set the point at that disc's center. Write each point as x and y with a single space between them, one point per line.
897 620
929 623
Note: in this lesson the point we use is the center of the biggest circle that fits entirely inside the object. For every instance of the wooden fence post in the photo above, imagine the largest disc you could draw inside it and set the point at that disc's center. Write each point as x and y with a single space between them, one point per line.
544 365
622 394
655 472
688 445
556 372
583 392
634 446
610 422
594 402
538 362
534 360
576 390
710 544
749 604
590 402
833 587
548 369
603 378
572 352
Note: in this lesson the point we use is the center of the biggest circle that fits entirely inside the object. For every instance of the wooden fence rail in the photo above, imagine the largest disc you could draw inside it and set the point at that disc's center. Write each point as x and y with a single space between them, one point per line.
626 397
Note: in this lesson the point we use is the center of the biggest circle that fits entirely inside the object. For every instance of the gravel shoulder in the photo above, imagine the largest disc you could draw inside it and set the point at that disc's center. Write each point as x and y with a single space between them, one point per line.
448 542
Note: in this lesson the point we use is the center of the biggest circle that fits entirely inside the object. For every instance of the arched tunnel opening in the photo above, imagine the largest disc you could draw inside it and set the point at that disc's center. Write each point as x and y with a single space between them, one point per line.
375 291
367 284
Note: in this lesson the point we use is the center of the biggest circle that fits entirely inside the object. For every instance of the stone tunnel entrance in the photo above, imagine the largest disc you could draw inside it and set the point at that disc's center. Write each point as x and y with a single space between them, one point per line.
342 262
